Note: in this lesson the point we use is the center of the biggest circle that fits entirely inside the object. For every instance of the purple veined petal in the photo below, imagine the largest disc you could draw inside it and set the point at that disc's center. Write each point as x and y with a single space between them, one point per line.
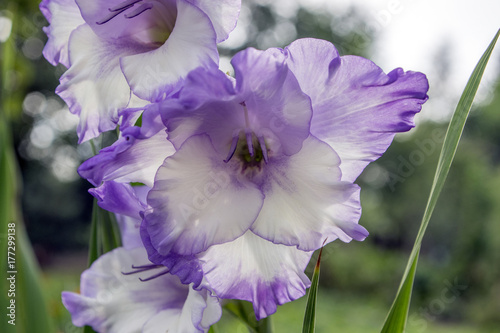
133 158
220 120
222 13
94 86
278 110
254 269
64 16
203 85
357 108
127 202
267 102
111 301
156 74
120 198
259 72
306 201
198 200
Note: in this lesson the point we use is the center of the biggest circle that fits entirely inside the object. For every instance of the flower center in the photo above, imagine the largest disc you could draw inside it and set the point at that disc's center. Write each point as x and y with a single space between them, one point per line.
249 148
251 152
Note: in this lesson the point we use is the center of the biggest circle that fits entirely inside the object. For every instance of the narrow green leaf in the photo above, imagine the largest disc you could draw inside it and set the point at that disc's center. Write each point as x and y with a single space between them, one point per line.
398 314
109 230
20 292
310 314
94 250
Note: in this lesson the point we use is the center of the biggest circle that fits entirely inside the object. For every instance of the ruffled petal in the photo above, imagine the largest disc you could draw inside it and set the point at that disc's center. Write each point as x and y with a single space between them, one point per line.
113 302
94 86
156 74
64 16
133 158
197 201
306 202
357 108
253 269
222 13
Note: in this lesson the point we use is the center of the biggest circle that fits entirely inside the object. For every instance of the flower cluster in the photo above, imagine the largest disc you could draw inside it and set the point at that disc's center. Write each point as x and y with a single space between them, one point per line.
229 184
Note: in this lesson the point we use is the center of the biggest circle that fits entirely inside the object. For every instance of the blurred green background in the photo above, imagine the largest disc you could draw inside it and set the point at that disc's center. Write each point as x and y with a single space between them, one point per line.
457 286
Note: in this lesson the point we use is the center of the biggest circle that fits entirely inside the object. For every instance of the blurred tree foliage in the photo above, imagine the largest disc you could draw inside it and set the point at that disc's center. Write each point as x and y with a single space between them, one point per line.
56 213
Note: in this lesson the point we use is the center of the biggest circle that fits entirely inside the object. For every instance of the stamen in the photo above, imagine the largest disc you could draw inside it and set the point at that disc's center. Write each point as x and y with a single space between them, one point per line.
250 143
142 8
155 276
124 5
143 268
262 143
112 15
151 266
234 144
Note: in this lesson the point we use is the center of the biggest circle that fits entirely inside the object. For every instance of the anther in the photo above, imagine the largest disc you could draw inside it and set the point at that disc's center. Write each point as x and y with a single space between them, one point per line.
143 268
250 143
112 15
262 143
234 144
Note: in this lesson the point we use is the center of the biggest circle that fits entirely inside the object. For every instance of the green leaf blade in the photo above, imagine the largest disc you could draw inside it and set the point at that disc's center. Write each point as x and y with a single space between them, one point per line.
398 314
309 325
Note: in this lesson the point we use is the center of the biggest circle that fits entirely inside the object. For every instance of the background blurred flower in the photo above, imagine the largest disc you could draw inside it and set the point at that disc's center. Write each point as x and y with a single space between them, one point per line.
120 54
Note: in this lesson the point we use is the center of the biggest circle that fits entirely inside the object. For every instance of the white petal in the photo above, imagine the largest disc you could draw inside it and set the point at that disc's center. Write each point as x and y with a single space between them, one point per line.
64 16
94 86
191 44
197 201
300 190
113 302
256 270
357 107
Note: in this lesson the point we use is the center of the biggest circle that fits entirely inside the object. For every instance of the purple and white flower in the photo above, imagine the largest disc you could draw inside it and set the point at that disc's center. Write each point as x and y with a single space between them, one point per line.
120 53
258 171
120 293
